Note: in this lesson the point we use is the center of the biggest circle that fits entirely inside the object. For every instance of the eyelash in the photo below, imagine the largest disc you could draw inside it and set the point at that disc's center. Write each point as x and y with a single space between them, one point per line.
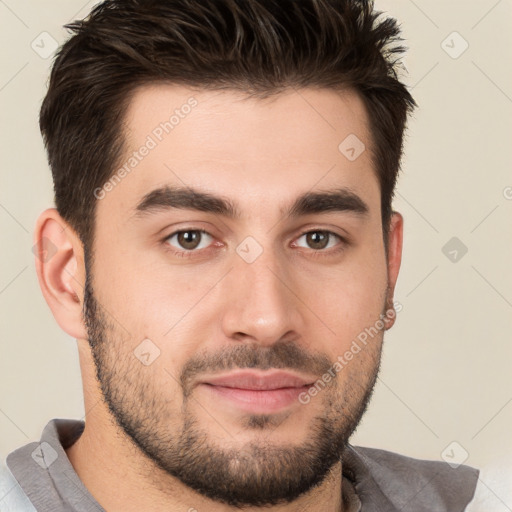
314 252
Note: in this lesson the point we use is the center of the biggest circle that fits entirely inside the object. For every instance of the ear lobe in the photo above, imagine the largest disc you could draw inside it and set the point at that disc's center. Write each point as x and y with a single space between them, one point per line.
395 244
60 271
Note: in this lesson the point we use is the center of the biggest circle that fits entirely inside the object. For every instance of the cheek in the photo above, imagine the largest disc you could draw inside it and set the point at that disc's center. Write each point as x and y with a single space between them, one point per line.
350 301
152 301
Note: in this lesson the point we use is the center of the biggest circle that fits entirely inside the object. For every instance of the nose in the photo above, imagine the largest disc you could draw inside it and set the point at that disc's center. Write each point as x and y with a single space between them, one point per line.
261 305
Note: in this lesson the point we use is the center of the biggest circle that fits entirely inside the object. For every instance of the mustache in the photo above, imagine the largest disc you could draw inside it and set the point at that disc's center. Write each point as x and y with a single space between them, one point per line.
280 355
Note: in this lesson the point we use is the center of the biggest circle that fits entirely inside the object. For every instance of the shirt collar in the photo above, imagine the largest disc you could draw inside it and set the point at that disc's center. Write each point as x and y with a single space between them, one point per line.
46 475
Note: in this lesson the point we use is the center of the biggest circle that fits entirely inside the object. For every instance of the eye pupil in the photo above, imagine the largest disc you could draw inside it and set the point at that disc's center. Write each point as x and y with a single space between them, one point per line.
189 239
317 237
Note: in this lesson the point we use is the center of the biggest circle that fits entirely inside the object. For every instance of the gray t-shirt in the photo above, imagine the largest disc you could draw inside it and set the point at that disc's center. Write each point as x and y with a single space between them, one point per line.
40 477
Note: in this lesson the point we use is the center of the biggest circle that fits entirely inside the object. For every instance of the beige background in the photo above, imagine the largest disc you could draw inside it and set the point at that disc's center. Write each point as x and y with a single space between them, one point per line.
446 372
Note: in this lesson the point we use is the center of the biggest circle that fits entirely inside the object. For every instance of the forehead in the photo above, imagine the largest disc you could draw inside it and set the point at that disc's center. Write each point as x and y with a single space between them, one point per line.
262 151
226 116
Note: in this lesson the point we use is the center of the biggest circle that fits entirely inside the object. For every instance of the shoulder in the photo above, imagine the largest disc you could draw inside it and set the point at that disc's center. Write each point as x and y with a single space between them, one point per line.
494 489
415 484
12 497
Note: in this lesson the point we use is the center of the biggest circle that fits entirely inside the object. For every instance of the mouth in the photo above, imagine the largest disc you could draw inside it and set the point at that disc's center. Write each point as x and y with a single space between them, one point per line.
258 392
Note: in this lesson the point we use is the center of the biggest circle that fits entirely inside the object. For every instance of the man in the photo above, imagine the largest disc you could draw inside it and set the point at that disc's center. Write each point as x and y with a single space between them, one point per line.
225 252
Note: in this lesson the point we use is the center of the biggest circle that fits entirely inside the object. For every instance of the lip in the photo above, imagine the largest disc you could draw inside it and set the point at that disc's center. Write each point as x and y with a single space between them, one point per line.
257 392
260 381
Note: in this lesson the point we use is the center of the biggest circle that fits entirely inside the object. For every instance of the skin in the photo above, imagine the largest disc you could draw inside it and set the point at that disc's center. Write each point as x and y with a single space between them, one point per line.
291 308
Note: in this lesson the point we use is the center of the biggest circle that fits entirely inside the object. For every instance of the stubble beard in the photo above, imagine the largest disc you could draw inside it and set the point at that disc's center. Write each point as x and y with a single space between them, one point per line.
259 473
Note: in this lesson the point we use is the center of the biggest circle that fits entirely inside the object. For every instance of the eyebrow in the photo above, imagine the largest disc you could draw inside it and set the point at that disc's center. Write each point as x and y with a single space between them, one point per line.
177 197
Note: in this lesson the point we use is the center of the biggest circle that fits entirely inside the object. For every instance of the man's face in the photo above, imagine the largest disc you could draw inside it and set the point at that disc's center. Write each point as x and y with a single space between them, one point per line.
168 312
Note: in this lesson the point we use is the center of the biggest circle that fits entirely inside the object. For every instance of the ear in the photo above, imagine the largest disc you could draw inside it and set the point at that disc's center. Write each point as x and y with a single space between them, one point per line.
61 271
394 259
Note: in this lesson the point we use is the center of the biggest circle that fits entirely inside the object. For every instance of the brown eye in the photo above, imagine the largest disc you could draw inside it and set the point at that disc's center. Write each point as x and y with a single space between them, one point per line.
319 240
189 239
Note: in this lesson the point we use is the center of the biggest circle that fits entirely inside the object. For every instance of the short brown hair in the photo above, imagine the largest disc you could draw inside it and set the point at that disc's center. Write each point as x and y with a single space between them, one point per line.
260 47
